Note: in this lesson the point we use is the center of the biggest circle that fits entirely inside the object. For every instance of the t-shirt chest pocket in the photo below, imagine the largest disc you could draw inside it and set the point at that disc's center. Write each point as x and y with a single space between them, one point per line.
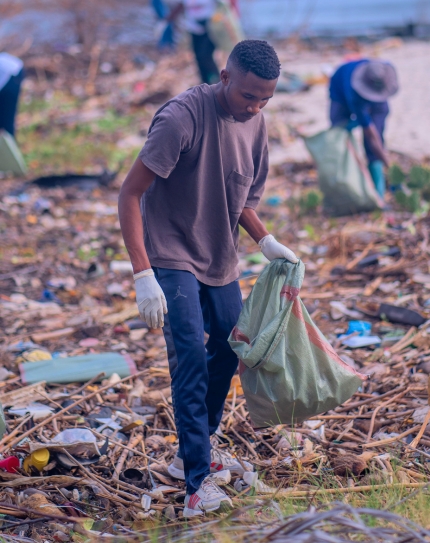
237 189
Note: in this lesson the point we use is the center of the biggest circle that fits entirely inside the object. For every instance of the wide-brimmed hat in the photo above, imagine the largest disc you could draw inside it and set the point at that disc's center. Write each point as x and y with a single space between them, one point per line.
375 80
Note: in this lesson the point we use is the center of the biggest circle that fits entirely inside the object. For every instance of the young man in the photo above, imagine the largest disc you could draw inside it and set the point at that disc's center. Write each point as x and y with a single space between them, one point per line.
201 173
359 91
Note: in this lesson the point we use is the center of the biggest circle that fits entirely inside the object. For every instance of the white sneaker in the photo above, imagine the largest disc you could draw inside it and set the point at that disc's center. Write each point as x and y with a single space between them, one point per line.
208 497
220 460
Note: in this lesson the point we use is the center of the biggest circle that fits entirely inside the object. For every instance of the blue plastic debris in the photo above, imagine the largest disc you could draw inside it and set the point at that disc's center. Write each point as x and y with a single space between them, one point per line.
274 201
363 327
48 296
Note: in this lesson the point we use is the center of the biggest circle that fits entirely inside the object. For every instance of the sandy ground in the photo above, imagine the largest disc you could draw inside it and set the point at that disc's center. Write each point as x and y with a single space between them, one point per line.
408 125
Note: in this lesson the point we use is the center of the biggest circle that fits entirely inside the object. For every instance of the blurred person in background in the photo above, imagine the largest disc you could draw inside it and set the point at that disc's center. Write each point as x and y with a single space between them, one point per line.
197 14
359 91
11 76
166 29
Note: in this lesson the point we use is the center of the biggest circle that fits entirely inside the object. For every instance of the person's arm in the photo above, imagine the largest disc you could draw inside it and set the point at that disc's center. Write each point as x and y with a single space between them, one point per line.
251 223
249 219
135 185
175 12
150 299
270 248
374 139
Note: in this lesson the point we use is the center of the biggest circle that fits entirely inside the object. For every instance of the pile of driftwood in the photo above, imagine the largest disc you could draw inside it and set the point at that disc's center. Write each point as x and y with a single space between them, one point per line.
113 477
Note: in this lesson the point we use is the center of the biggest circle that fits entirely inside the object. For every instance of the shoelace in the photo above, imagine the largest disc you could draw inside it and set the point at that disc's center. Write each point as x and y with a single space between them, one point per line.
210 488
222 458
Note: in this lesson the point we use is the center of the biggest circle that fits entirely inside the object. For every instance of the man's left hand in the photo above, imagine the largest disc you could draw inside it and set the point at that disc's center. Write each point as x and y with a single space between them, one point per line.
272 249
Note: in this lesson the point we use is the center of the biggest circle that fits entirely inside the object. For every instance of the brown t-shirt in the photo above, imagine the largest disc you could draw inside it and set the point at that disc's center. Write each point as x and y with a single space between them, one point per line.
209 168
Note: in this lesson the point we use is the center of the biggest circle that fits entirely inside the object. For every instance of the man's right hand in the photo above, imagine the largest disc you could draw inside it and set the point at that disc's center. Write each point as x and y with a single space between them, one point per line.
150 299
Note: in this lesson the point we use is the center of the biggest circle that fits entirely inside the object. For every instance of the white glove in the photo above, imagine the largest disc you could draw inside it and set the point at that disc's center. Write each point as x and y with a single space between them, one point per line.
150 299
272 249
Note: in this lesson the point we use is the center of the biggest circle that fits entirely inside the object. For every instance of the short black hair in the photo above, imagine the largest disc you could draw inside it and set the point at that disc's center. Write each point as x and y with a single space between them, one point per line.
256 56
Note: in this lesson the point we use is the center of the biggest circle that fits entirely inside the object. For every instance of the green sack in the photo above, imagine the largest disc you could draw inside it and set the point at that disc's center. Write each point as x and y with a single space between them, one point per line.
289 371
11 159
2 422
344 179
224 27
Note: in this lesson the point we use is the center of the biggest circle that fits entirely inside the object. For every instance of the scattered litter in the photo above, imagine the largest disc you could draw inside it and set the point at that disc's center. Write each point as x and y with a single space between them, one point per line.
339 310
362 327
77 368
10 464
38 460
121 266
400 315
38 411
356 342
84 182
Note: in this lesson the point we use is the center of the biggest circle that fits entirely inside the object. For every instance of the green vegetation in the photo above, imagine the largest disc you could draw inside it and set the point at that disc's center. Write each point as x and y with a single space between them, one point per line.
412 188
309 201
260 513
54 136
306 204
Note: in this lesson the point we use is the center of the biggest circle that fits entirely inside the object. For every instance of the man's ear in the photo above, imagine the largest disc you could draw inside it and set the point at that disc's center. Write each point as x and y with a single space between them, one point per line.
225 76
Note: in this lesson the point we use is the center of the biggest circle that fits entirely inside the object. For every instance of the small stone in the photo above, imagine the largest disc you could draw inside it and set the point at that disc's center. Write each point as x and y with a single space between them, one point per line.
169 512
348 464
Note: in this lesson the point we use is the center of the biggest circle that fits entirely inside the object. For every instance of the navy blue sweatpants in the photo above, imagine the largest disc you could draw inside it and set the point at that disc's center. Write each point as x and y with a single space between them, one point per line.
201 373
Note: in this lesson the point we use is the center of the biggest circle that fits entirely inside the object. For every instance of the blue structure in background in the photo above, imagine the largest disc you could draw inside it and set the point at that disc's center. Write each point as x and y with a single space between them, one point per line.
260 19
281 18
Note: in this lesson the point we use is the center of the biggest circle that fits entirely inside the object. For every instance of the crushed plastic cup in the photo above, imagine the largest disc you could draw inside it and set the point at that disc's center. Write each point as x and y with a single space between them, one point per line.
10 464
146 502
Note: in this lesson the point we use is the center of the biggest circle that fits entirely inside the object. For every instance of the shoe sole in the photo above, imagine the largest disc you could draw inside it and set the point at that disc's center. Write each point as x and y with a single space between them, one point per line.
177 473
224 506
198 512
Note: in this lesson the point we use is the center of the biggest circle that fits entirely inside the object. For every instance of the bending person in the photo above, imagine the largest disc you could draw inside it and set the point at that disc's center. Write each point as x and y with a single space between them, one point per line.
359 91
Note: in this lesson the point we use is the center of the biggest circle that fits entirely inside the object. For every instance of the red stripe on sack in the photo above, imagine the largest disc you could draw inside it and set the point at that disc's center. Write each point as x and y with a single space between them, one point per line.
240 336
322 344
289 292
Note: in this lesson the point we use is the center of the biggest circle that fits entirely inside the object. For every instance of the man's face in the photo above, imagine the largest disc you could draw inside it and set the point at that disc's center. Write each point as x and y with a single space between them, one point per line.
246 94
